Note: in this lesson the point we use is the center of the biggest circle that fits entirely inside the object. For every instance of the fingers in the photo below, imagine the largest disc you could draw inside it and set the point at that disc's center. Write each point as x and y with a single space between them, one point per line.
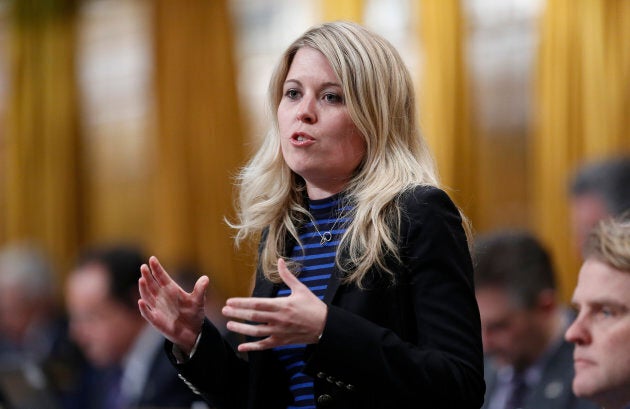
153 317
199 291
148 313
254 303
149 282
296 319
145 292
157 271
261 330
148 285
251 315
251 309
145 310
268 340
267 343
146 272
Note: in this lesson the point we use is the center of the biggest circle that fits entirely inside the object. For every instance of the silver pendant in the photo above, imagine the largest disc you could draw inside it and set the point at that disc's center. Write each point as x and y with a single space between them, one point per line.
326 237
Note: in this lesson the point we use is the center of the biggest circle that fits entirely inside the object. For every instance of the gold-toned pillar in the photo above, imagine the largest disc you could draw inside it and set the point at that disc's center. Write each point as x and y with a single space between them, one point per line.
351 10
445 114
581 110
41 179
199 143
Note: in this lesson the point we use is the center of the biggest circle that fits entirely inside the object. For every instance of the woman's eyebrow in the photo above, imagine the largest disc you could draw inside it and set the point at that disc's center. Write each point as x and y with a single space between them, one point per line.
323 85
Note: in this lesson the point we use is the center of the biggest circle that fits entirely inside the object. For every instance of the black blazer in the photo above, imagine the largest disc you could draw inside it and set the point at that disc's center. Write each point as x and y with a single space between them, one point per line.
412 344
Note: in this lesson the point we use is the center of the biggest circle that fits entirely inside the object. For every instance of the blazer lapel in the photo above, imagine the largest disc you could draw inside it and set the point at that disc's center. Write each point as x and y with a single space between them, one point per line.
333 286
264 288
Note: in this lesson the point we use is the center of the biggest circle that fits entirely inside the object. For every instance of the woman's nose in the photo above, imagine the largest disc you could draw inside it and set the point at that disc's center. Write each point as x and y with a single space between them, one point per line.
306 111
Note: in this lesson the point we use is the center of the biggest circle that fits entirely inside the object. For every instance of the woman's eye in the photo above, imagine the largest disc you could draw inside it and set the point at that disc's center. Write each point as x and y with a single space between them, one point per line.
292 93
333 98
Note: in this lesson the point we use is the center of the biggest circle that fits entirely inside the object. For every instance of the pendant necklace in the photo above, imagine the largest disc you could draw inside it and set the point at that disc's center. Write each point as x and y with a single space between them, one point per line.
327 235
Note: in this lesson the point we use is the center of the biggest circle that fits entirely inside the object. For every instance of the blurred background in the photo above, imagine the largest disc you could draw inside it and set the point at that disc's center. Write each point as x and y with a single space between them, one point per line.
126 120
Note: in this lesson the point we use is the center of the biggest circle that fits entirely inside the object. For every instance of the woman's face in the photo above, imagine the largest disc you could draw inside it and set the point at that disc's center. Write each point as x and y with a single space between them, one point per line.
319 140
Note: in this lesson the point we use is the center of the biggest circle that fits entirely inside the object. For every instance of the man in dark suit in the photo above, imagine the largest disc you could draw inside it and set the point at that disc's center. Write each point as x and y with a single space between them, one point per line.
133 372
528 363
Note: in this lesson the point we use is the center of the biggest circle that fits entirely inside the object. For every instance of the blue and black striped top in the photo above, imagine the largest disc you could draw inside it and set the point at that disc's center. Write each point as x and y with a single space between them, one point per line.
317 260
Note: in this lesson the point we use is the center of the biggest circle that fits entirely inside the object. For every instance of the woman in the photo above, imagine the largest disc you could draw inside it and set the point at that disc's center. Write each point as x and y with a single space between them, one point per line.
363 295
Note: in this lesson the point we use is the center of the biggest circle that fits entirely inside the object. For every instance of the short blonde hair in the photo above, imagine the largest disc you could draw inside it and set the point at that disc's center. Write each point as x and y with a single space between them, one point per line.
609 242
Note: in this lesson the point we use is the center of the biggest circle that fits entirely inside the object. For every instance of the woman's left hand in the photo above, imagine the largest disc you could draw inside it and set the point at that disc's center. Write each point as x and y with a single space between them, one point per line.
296 319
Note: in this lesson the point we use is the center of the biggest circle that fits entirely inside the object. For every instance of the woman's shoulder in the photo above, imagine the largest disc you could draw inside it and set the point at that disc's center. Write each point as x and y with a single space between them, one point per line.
427 205
424 196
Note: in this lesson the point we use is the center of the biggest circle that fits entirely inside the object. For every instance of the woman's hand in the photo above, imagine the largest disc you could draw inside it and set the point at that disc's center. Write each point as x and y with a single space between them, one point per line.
178 315
296 319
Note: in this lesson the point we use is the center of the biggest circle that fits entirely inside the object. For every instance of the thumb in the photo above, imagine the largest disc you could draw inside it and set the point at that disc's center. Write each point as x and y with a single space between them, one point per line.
287 277
199 291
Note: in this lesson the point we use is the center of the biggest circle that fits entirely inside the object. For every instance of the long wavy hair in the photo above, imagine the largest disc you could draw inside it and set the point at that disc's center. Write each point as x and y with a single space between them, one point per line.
379 96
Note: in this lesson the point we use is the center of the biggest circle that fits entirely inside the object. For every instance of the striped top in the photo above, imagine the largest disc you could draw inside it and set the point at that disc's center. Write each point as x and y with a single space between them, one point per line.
317 260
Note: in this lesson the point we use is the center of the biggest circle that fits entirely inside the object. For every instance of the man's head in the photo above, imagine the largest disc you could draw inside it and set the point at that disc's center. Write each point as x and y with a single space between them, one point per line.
598 190
101 297
27 291
515 290
601 331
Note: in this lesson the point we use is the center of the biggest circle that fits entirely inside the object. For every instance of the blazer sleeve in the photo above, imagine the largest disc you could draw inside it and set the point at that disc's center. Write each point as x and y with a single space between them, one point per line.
215 371
434 354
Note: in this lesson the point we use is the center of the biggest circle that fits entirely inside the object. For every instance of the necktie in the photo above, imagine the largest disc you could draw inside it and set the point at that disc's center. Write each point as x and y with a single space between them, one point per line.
517 393
113 395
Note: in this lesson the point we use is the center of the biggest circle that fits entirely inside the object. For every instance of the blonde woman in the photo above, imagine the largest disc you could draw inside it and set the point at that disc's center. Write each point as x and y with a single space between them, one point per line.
364 294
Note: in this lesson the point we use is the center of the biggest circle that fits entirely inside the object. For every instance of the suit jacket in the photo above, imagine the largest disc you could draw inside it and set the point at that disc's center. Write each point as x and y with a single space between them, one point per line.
163 388
412 344
50 349
553 391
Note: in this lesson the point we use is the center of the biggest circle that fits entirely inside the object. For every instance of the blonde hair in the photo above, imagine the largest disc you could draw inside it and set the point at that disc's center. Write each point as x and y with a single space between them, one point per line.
379 96
609 242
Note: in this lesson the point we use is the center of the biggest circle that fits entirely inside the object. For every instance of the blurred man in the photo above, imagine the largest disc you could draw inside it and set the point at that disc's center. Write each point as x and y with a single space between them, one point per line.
33 328
102 295
528 364
598 190
28 316
601 331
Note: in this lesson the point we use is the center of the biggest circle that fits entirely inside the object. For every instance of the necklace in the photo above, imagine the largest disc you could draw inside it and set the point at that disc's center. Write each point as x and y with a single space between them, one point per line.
327 235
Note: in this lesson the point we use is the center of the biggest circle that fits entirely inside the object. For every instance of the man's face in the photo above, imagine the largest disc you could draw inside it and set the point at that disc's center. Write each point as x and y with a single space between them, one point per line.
510 334
585 211
18 311
601 333
102 327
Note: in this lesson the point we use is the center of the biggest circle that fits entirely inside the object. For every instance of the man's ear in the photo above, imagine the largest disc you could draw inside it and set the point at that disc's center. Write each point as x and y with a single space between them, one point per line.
546 301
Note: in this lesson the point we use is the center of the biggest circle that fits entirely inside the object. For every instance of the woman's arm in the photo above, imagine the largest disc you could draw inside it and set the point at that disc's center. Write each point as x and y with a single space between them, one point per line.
213 370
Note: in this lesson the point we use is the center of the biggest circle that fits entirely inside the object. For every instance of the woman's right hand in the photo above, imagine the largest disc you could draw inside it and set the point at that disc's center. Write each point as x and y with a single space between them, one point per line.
178 315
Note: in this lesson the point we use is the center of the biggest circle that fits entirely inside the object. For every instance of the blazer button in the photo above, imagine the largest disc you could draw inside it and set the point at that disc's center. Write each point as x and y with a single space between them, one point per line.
324 400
